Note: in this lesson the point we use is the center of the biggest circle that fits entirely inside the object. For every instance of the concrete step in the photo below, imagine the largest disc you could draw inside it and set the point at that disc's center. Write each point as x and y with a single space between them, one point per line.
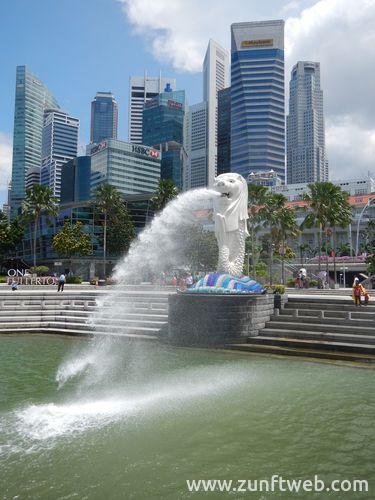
320 327
312 344
352 337
101 327
80 333
304 353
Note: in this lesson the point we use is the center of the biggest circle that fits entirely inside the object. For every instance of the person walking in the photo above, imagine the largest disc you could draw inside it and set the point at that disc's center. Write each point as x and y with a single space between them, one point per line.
61 283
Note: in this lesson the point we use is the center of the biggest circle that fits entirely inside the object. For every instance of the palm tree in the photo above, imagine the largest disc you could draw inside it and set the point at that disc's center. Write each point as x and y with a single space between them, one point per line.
274 203
257 196
328 206
106 198
340 215
39 199
166 192
319 207
287 227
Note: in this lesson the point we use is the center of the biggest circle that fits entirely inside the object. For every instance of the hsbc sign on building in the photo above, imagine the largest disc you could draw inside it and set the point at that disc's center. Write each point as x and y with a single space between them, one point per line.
149 152
131 168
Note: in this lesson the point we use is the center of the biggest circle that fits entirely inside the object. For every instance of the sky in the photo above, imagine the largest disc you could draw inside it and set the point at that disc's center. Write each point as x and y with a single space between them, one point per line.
80 47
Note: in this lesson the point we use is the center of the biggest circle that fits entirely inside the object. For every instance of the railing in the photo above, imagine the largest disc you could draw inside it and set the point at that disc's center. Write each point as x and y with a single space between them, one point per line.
321 314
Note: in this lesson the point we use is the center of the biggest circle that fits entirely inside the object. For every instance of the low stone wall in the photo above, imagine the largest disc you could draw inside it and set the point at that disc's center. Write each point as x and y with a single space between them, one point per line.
200 319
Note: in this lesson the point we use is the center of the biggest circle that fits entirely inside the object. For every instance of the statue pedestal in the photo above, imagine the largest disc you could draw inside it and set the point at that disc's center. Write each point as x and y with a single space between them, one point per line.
215 319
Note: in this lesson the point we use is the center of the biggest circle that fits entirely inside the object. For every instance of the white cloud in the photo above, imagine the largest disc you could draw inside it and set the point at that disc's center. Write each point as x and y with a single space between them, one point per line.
5 160
353 148
337 33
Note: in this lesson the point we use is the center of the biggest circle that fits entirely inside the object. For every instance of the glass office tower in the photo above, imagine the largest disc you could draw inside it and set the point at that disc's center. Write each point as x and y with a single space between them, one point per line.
223 130
104 117
164 129
32 98
75 180
141 90
59 145
257 98
306 153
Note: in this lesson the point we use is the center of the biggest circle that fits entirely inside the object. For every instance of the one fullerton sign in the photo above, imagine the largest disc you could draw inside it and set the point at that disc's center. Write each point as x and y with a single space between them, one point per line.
264 42
22 277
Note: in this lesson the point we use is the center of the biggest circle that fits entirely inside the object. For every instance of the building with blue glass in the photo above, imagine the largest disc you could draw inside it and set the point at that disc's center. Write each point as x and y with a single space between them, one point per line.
59 145
75 180
164 129
257 98
223 130
104 117
32 98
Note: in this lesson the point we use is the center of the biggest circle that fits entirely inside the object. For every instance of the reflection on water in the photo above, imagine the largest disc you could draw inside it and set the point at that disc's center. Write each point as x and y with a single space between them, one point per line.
140 421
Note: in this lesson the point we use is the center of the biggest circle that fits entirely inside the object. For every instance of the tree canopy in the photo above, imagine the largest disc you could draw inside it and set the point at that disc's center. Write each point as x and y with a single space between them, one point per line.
72 240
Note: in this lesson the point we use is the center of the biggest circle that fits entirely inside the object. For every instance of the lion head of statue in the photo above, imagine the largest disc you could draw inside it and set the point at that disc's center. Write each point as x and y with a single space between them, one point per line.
232 204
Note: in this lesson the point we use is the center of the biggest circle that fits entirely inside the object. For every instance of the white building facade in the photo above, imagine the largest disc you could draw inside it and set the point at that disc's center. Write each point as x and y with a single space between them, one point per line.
59 145
216 76
197 146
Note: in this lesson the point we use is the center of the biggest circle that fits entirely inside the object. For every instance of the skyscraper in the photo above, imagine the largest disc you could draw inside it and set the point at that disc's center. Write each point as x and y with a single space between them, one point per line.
59 145
32 98
131 168
164 129
223 130
215 78
197 146
75 180
257 98
104 117
306 156
141 90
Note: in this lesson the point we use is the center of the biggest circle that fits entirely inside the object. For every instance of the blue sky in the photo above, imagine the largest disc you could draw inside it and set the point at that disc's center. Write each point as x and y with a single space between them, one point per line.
79 47
76 47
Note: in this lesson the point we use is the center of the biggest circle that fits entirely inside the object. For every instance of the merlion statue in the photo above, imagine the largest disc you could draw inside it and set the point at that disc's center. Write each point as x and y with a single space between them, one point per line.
230 212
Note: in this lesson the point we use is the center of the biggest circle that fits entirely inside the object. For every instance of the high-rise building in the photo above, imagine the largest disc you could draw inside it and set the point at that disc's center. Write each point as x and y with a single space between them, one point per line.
104 117
75 180
197 146
215 78
223 130
32 177
164 123
257 98
32 98
141 90
59 145
306 155
131 168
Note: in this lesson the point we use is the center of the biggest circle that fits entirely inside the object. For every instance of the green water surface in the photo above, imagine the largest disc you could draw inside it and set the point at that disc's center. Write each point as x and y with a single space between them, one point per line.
135 421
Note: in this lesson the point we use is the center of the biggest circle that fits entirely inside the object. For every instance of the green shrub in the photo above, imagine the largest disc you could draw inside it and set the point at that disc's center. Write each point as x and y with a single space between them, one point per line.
313 283
74 280
3 278
280 289
39 270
